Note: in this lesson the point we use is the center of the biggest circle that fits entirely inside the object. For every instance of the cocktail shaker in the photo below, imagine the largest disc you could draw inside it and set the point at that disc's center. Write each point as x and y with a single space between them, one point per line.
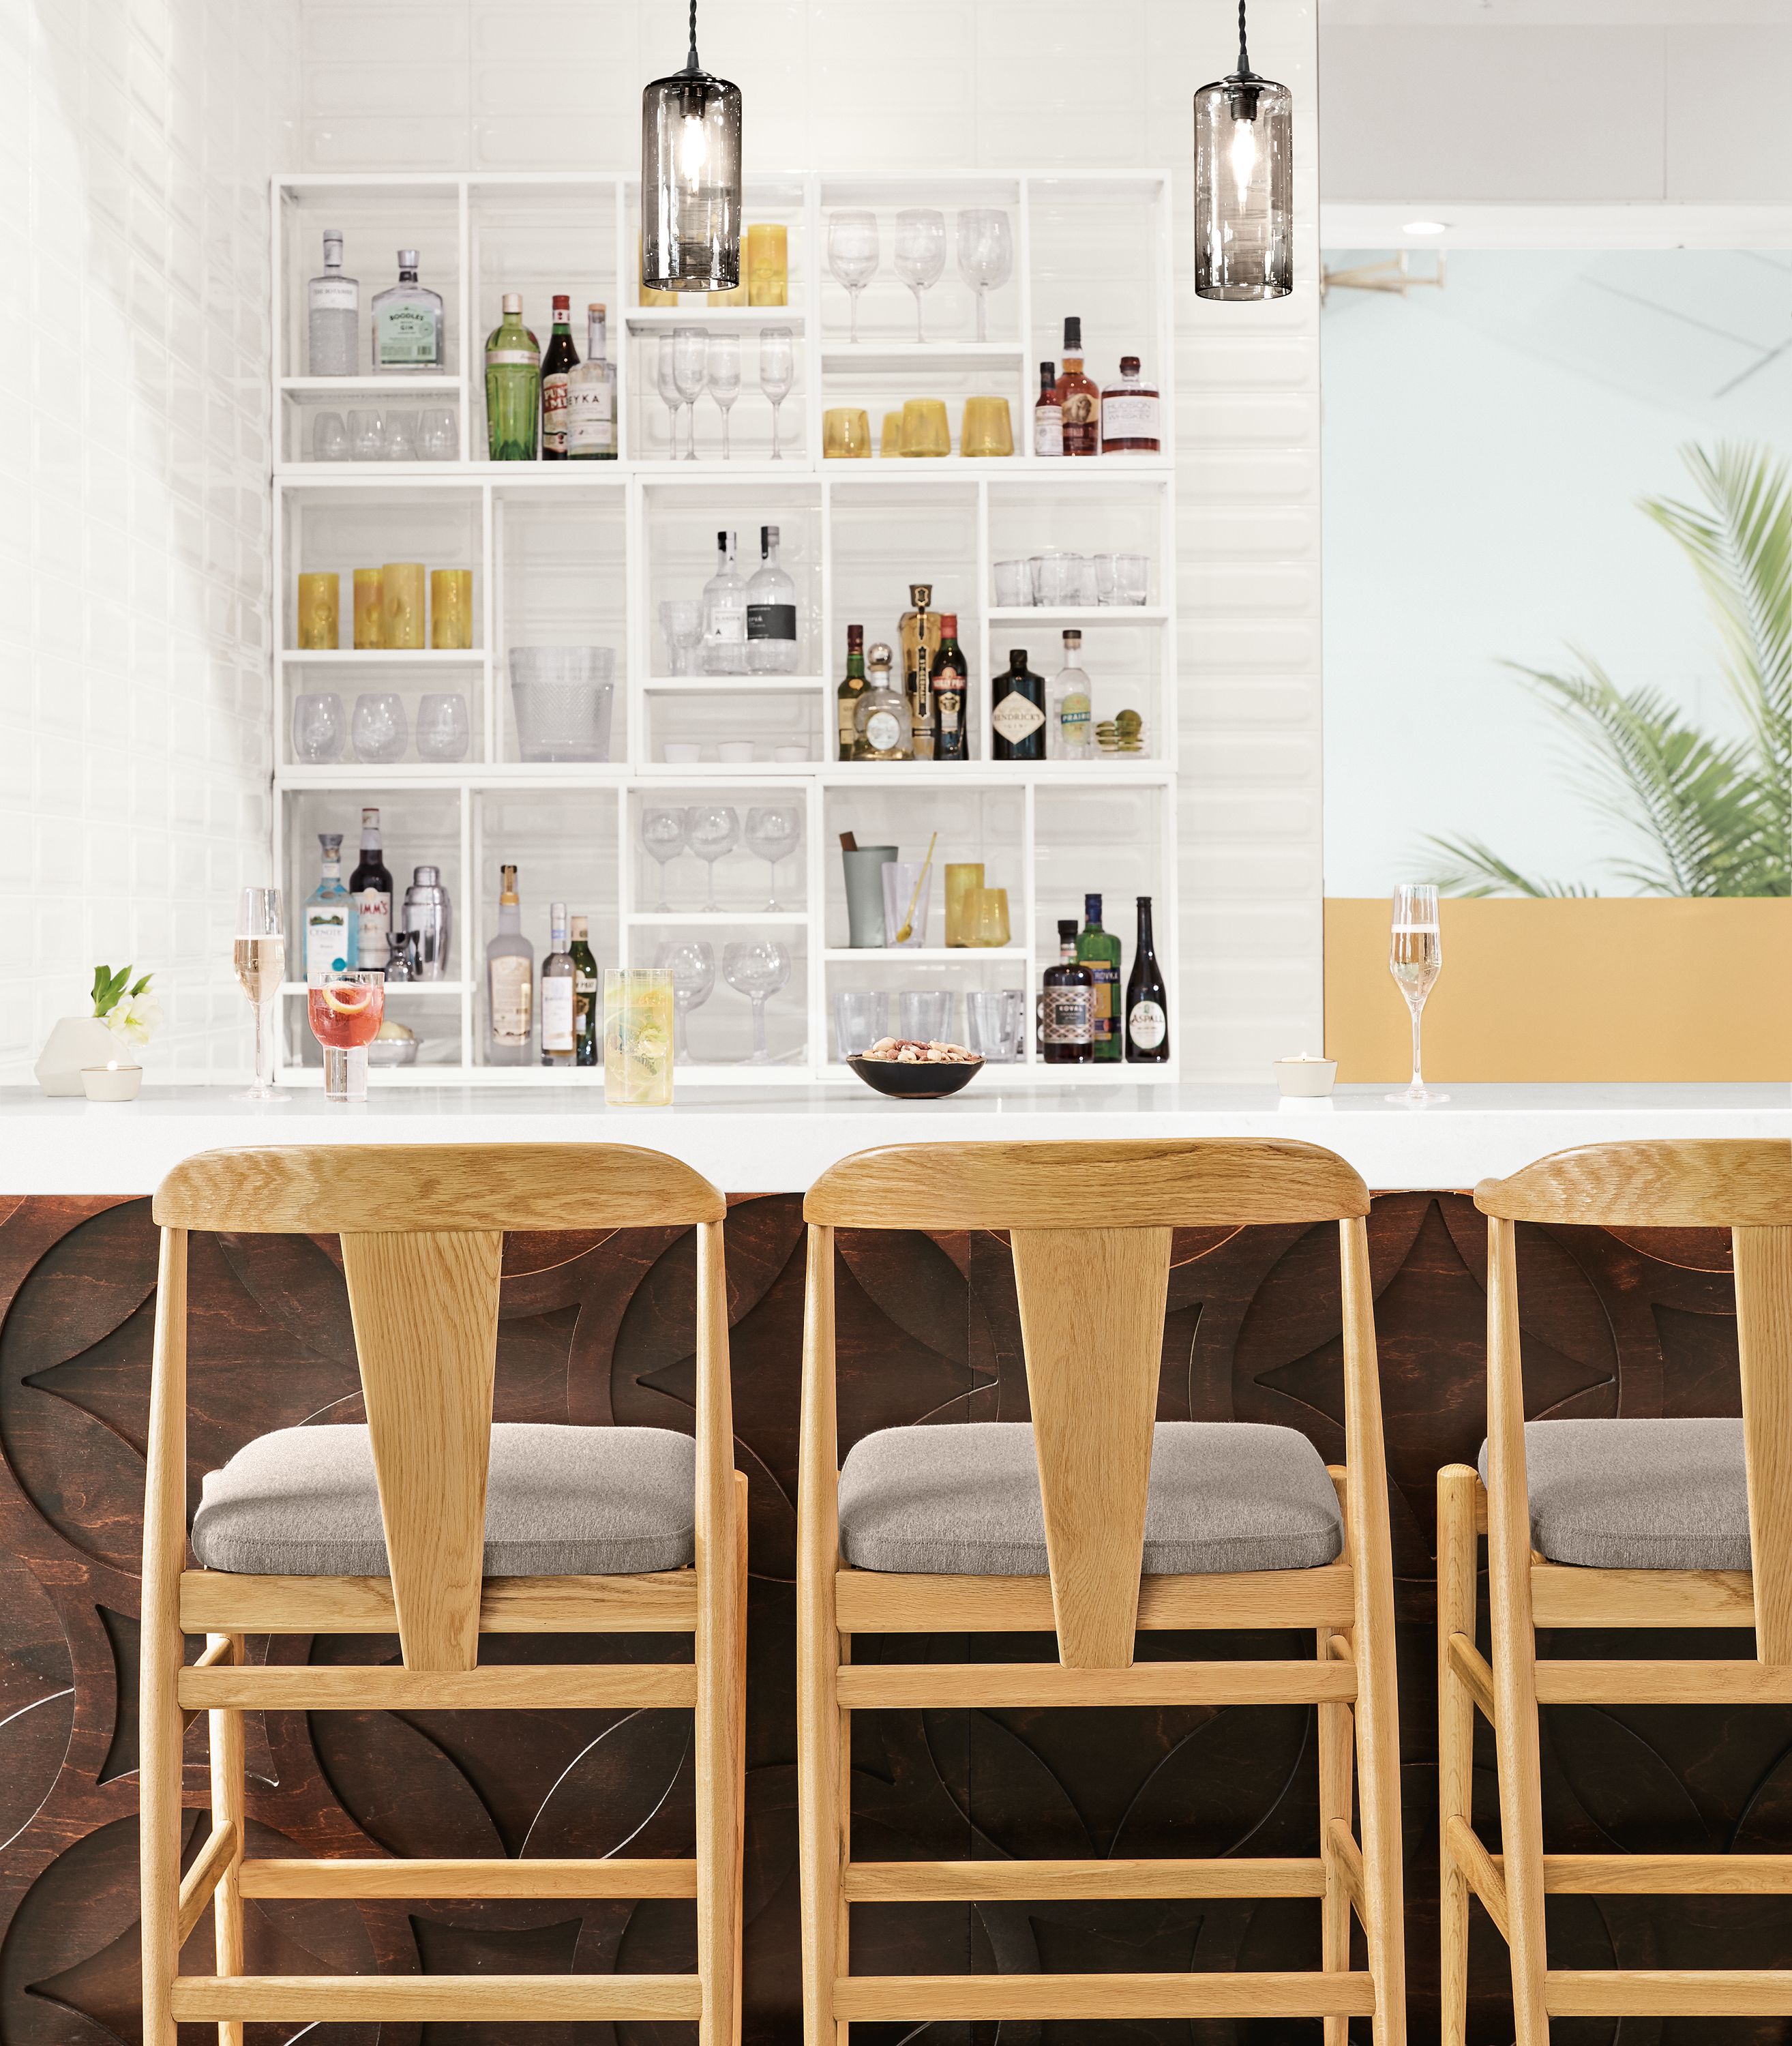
428 917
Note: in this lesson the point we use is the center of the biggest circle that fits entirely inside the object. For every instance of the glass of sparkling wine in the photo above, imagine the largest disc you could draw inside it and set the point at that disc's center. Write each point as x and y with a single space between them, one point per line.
259 956
1416 959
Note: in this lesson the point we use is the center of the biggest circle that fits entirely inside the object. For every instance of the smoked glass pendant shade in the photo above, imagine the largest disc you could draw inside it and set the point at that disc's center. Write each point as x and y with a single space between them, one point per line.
1244 189
691 183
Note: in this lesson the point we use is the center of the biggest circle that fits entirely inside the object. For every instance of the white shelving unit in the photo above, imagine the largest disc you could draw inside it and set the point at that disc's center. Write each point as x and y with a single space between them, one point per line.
585 552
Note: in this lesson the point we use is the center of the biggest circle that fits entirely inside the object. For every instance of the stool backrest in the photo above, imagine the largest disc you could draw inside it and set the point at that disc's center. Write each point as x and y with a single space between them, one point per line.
422 1228
1089 1225
1743 1185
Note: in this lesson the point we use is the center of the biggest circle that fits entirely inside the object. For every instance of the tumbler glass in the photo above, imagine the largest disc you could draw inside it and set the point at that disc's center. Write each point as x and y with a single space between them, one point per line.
925 1013
1132 578
987 428
889 441
986 917
443 730
860 1019
1013 585
401 592
451 608
963 878
993 1022
903 885
638 1036
845 434
320 725
319 623
767 264
926 429
370 612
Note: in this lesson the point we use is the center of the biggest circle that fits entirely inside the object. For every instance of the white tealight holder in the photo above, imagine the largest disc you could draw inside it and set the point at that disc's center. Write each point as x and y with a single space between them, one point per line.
111 1081
1306 1078
681 753
735 752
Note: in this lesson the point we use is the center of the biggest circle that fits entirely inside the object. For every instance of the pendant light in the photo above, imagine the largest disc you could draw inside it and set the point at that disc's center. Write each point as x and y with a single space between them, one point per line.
1244 185
691 179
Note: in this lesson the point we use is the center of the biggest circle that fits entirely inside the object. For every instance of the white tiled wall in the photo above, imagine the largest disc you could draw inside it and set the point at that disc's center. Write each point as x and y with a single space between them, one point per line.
136 137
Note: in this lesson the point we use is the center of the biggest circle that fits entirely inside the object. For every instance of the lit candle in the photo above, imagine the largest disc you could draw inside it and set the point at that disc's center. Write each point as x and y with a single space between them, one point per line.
111 1081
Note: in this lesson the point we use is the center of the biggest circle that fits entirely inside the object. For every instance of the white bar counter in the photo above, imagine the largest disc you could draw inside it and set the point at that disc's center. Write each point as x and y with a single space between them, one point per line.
762 1141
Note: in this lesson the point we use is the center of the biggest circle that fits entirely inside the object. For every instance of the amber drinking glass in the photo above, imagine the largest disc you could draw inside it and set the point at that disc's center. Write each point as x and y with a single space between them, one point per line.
401 594
889 441
986 917
451 608
845 434
370 616
767 264
962 880
319 623
926 429
988 427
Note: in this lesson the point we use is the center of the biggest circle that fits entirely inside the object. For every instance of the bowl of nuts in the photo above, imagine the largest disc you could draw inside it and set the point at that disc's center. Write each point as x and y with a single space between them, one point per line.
914 1069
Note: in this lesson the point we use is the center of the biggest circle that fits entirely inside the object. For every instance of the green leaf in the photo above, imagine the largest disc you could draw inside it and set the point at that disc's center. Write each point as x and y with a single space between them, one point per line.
1479 871
141 985
107 988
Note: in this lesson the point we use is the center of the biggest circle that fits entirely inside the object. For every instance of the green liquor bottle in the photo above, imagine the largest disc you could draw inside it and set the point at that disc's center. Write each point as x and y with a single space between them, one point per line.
1099 950
588 1011
513 386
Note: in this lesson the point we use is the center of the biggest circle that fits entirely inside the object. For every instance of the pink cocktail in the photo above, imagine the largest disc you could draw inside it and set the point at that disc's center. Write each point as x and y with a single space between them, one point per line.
345 1011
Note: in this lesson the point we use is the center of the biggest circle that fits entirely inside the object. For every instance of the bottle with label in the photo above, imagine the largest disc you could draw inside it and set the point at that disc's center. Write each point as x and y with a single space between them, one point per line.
1079 401
587 1012
885 729
1048 415
771 613
407 323
328 945
919 641
513 386
945 686
1067 1009
1017 711
1099 950
724 643
559 993
557 365
510 983
851 690
591 397
370 887
1130 413
1071 734
1147 1001
333 315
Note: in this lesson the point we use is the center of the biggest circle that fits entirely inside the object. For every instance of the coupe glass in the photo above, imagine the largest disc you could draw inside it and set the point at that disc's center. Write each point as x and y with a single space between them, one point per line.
777 371
379 729
259 956
756 971
692 967
668 386
662 834
681 619
852 255
711 830
724 365
690 372
320 725
772 832
1416 959
346 1009
985 256
920 253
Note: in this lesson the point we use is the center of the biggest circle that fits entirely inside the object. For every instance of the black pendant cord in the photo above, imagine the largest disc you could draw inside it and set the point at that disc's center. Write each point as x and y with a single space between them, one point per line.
1244 70
693 66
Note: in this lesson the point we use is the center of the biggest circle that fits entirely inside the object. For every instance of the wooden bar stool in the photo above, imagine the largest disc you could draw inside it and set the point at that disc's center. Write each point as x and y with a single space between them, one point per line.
434 1524
1619 1523
1091 1522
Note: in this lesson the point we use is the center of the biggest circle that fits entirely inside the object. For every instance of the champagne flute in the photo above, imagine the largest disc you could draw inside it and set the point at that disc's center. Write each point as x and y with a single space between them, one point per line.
985 256
667 387
690 372
852 255
777 371
724 363
259 956
920 253
1416 959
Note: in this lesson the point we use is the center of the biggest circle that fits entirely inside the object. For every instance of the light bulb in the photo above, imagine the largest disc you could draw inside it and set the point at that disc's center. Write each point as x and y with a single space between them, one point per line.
1244 156
693 149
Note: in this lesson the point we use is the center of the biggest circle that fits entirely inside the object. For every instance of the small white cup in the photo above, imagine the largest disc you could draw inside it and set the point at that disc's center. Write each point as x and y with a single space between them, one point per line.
1306 1078
786 754
680 753
735 752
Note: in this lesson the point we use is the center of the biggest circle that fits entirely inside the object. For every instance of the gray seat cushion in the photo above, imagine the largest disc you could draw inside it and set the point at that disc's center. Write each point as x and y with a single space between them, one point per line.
1637 1495
963 1500
559 1502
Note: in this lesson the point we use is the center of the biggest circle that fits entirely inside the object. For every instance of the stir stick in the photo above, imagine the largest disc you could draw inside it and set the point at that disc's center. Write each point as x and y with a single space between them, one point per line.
908 930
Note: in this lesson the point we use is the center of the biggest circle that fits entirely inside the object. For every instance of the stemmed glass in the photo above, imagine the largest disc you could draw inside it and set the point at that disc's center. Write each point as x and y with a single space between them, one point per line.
772 832
777 371
852 255
667 385
690 372
724 362
756 970
259 956
985 256
711 830
662 834
1416 959
920 253
345 1007
692 967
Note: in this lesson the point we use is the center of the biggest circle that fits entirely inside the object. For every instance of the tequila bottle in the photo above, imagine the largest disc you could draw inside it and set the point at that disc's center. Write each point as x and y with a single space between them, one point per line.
332 309
771 613
328 946
885 731
407 324
724 647
591 398
513 386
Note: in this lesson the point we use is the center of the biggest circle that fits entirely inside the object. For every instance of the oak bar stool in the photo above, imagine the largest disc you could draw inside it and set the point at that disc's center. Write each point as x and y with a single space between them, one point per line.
583 1540
993 1528
1621 1523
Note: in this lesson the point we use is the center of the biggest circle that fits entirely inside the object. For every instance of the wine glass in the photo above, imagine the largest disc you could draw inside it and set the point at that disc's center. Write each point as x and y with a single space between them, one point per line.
920 253
681 619
711 830
378 727
319 726
690 372
852 255
329 437
259 956
662 833
756 970
345 1007
777 371
772 832
667 385
724 367
1416 959
985 256
692 967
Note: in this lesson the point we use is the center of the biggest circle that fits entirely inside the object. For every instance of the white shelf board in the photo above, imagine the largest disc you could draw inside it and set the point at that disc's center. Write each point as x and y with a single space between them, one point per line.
455 987
353 776
458 475
795 469
642 319
396 383
732 919
991 773
1016 468
379 657
723 770
1085 614
728 684
838 351
922 955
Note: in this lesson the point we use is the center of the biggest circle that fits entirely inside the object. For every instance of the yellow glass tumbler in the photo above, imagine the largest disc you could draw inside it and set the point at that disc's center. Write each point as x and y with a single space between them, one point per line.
926 429
451 608
638 1036
401 599
987 428
962 881
319 621
845 434
986 914
767 263
889 442
736 297
370 621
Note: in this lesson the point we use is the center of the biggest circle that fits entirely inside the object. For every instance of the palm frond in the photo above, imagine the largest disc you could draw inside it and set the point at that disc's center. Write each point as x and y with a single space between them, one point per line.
1478 870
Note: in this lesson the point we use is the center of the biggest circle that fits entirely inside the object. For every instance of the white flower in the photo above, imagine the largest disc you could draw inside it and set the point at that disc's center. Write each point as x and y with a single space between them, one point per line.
134 1018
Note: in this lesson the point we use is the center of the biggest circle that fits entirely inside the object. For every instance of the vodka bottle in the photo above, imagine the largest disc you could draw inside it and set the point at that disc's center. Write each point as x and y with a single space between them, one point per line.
591 398
1072 735
510 984
333 306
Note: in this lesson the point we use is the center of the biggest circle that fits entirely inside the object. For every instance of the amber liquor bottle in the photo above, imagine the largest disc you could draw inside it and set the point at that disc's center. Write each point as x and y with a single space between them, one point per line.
946 687
1067 1026
1079 398
1129 413
850 690
1048 415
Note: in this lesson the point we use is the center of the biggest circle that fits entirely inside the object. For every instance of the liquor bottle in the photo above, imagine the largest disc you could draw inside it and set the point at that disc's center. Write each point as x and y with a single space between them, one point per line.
510 983
1078 399
333 309
771 613
370 886
1017 711
851 690
1130 413
557 365
328 946
1099 950
559 993
1071 735
919 641
588 1015
885 729
724 643
945 688
591 397
1067 1032
1148 1004
513 386
1048 414
407 328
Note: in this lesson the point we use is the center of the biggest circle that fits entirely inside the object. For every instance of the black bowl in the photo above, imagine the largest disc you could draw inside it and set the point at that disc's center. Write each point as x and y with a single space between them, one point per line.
915 1083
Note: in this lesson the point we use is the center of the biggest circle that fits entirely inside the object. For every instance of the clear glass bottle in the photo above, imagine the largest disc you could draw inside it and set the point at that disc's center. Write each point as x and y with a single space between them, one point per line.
328 916
557 365
407 323
771 613
513 386
885 731
1068 723
724 644
560 978
591 397
1130 413
510 983
333 315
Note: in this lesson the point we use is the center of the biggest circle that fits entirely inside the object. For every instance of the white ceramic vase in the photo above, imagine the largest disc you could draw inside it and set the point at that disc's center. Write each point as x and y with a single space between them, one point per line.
75 1042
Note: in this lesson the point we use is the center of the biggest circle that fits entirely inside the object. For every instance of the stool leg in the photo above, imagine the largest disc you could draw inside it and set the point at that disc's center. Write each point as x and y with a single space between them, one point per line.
225 1733
1336 1801
719 1777
1456 1487
819 1651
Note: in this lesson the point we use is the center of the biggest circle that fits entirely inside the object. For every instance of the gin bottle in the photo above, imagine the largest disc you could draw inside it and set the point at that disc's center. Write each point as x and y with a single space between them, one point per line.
513 386
725 614
407 327
510 983
591 398
329 947
771 613
332 304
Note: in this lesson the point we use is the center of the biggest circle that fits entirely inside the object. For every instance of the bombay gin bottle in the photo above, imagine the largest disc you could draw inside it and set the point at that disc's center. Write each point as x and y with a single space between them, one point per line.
333 314
510 983
771 613
724 646
407 325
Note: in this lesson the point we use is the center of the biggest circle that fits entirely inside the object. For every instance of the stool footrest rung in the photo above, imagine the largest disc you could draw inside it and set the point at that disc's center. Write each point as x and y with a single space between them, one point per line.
942 1686
362 1876
1668 1992
442 1999
1015 1882
926 1999
499 1686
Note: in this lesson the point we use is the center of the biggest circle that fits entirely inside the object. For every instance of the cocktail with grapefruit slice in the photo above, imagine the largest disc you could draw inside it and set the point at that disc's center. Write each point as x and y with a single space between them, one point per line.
346 1009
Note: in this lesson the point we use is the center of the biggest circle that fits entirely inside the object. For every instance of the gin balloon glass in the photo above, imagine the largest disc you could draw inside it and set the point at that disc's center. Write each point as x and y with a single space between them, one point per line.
852 255
757 971
920 253
774 831
777 371
712 831
346 1008
663 834
692 967
1416 959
